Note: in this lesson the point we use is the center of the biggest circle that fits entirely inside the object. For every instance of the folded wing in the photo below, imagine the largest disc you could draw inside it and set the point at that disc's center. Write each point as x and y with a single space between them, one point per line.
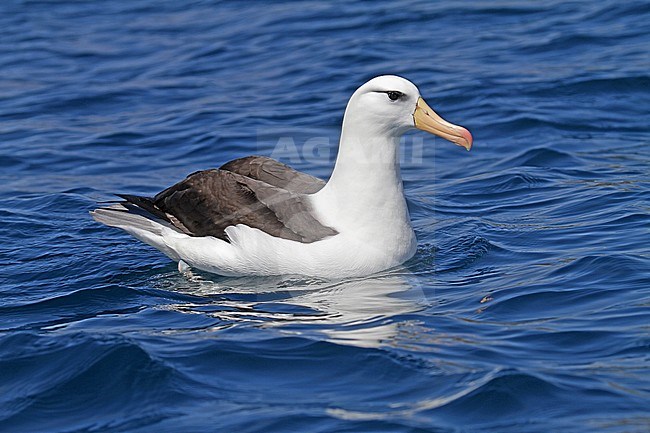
255 191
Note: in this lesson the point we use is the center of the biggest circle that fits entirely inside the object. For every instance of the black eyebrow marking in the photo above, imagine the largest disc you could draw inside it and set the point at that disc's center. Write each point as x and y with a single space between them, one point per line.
389 91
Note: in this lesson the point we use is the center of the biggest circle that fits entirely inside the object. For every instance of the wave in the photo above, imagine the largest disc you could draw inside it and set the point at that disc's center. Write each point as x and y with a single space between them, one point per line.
68 377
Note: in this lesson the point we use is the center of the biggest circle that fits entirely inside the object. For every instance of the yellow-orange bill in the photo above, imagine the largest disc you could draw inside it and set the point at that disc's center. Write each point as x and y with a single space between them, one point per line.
427 120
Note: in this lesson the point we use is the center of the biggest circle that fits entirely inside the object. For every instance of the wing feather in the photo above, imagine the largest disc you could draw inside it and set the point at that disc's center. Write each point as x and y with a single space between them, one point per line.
254 191
274 173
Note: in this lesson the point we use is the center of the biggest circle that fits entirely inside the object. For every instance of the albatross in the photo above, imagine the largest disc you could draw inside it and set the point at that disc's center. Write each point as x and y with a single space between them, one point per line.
258 216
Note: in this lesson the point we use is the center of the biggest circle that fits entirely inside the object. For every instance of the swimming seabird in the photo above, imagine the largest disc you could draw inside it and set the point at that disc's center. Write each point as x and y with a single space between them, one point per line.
257 216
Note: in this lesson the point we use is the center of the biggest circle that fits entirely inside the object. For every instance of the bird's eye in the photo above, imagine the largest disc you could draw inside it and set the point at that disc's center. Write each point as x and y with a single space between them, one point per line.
394 96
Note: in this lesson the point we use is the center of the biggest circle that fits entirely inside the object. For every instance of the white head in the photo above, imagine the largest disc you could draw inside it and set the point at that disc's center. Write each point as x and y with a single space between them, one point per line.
392 105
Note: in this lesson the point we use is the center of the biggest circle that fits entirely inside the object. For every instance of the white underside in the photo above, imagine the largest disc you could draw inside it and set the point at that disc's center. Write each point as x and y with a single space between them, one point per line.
254 252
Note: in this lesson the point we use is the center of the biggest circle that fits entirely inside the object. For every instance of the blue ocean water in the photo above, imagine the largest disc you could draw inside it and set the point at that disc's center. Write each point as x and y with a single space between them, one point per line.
526 308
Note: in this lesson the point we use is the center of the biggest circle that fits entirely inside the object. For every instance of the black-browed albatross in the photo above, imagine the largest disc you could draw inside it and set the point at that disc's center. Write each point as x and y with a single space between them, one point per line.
257 216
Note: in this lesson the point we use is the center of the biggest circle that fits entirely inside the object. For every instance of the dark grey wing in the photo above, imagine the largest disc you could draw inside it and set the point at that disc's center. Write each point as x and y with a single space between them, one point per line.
274 173
207 202
293 210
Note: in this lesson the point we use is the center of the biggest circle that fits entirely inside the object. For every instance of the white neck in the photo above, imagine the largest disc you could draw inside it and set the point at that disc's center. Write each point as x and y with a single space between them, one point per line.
365 189
366 164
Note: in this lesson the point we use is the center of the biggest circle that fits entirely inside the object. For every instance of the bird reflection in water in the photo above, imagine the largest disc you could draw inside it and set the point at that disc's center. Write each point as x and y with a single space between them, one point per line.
362 312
